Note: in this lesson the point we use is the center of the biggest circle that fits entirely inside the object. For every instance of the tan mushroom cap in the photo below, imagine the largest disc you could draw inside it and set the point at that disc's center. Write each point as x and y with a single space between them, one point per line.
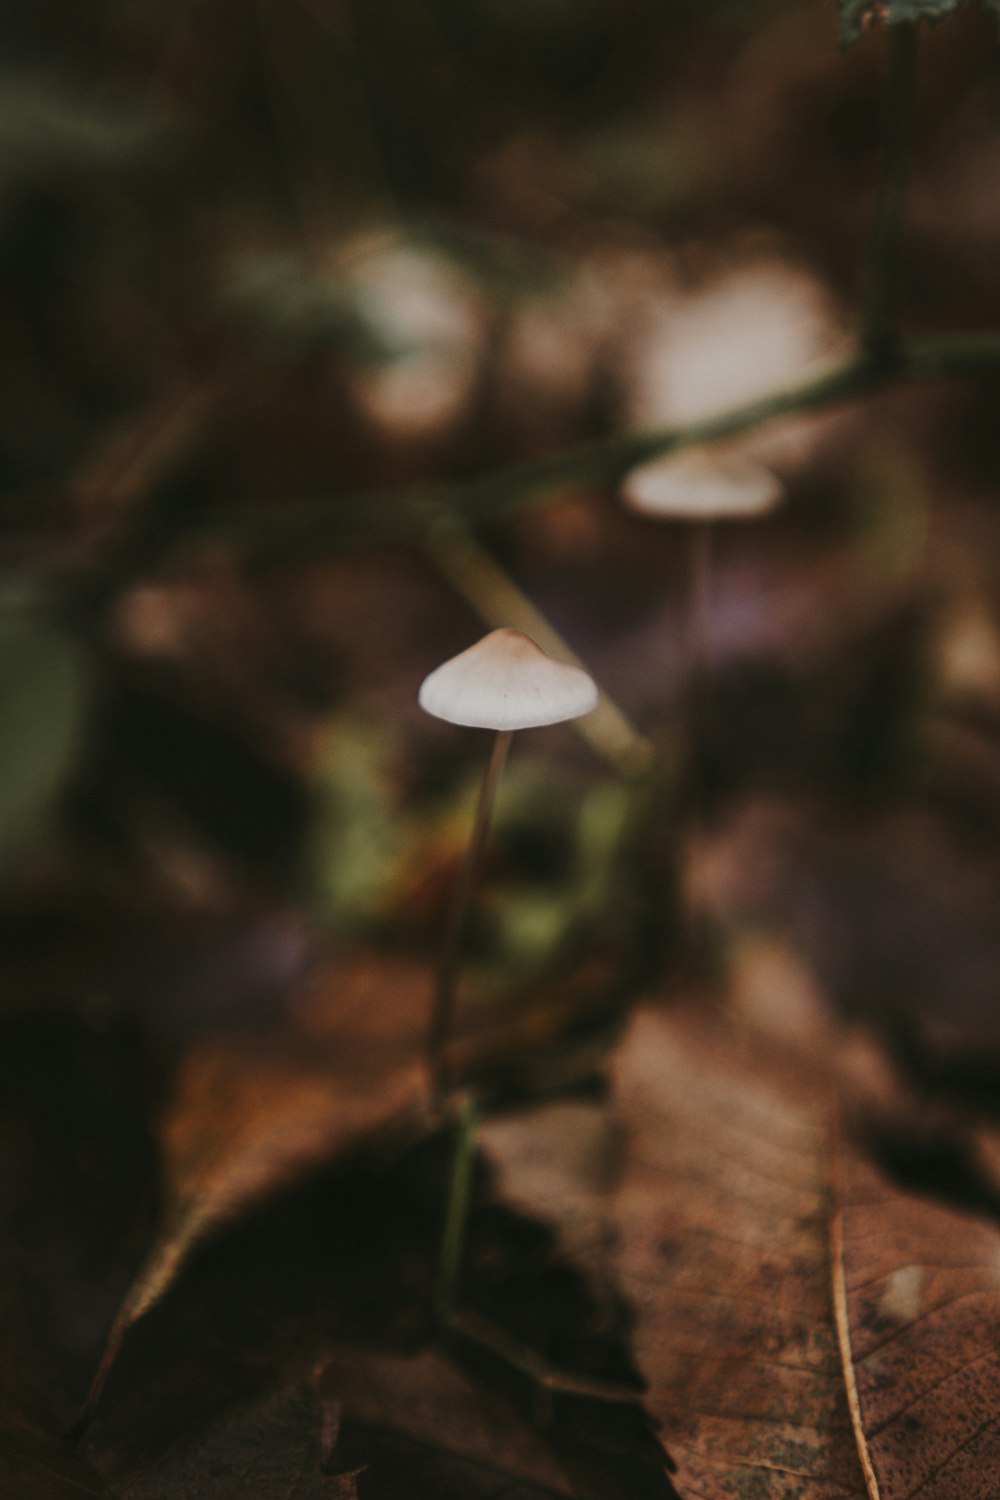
505 681
702 486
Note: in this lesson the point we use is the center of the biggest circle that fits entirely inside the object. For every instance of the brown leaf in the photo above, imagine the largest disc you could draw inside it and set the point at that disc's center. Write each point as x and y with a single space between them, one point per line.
273 1449
422 1425
340 1269
723 1216
420 1416
36 1465
807 1328
922 1293
249 1112
73 1164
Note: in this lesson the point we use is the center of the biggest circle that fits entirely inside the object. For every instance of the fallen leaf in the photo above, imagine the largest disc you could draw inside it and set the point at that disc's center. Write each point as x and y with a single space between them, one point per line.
274 1449
921 1307
484 1415
74 1157
807 1328
561 1163
35 1464
338 1270
250 1111
421 1417
723 1213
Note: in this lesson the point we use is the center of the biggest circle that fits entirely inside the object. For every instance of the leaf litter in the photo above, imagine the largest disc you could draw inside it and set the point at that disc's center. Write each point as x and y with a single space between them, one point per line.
336 1273
279 1445
807 1328
250 1110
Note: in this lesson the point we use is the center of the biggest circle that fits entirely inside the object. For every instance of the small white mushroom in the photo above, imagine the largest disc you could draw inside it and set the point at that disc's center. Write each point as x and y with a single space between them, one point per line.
506 682
702 486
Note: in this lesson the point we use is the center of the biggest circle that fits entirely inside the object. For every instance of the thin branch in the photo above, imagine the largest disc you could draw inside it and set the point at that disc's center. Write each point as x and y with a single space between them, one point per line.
409 514
290 527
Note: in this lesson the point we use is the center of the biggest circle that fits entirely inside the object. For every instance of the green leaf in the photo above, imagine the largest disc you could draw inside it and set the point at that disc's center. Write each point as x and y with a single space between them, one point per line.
855 16
42 701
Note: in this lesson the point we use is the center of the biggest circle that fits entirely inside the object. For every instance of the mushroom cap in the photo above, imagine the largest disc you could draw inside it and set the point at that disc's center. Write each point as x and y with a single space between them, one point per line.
505 681
702 486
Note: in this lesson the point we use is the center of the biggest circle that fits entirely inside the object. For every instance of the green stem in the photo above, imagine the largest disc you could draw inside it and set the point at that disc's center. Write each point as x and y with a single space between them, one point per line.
879 329
457 1210
443 1013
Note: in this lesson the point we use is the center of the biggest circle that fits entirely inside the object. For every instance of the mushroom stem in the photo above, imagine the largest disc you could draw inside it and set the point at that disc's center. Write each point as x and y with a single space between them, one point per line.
699 666
457 1211
442 1015
700 601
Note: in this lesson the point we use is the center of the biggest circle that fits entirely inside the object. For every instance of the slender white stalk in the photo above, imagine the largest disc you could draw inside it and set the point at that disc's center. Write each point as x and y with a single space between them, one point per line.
700 602
442 1015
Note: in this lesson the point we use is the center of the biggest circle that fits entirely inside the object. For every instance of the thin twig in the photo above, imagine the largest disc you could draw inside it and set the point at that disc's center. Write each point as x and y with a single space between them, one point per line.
293 526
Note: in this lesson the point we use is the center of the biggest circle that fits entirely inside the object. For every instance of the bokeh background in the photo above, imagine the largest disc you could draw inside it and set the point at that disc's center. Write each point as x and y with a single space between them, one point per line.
270 275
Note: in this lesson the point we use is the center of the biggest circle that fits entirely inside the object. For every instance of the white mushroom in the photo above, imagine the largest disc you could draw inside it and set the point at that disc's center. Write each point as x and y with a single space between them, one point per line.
506 682
702 486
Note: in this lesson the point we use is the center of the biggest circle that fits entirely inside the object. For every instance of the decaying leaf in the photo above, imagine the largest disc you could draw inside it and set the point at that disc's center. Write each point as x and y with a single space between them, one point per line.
421 1417
73 1162
921 1309
279 1448
723 1212
807 1328
250 1111
274 1450
453 1418
338 1271
34 1463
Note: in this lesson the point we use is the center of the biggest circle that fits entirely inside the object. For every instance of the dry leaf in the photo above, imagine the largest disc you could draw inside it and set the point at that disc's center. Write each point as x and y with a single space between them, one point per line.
35 1464
277 1446
807 1328
250 1111
421 1415
420 1426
